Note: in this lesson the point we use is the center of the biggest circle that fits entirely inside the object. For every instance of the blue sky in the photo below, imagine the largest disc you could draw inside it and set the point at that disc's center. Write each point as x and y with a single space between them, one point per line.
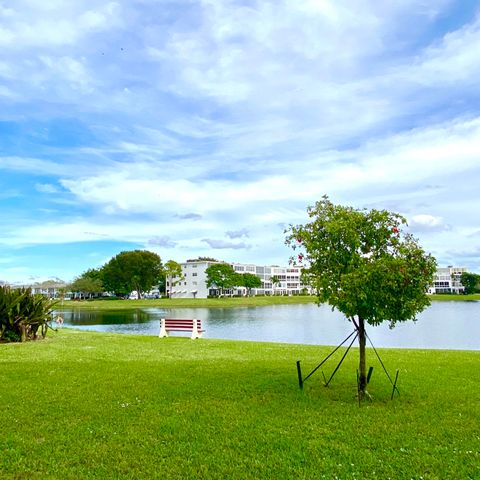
205 127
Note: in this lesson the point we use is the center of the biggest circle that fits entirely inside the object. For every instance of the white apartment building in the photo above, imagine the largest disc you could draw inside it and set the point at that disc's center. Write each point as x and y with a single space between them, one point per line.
448 280
193 284
49 288
289 279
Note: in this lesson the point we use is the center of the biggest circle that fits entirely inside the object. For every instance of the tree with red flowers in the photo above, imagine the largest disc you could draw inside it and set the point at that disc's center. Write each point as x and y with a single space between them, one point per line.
363 264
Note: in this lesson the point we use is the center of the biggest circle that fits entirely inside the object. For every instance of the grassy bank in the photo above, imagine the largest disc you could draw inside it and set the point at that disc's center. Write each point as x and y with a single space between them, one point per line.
217 302
91 405
456 298
188 302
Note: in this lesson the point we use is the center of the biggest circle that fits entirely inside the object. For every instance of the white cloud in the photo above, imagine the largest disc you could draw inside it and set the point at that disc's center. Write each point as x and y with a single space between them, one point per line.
473 253
7 92
453 60
237 233
189 216
223 245
70 231
33 165
52 24
162 241
46 188
424 222
69 70
413 158
239 113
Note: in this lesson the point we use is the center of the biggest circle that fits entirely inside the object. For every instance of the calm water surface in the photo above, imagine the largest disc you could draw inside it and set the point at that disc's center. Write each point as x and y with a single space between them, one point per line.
444 325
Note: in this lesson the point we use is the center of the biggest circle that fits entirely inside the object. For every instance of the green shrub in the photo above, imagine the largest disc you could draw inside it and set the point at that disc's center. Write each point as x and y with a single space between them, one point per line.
23 315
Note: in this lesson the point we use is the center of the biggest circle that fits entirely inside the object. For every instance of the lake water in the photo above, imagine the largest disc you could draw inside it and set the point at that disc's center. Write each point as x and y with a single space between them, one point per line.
444 325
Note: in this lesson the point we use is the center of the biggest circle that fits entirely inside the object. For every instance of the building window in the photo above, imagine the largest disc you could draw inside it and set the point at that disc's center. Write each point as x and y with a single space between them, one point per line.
194 274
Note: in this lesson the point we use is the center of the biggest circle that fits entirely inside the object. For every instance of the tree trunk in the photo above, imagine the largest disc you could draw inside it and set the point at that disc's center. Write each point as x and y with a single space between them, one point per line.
23 334
362 368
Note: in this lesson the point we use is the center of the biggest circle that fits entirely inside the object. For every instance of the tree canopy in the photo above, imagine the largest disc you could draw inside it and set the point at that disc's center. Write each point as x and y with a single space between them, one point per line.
363 264
249 281
133 270
93 273
173 270
87 285
470 281
221 276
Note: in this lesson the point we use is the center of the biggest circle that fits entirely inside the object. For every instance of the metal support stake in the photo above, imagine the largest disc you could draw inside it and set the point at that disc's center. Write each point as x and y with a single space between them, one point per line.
395 386
327 357
299 373
380 360
358 389
344 355
369 374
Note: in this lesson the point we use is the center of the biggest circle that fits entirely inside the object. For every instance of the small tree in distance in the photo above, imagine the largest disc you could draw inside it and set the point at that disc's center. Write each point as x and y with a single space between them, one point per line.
249 281
470 281
361 263
275 282
86 286
172 270
221 276
137 270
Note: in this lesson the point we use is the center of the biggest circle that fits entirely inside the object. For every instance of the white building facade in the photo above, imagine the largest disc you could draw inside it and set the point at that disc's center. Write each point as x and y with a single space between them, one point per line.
51 288
448 280
193 283
289 279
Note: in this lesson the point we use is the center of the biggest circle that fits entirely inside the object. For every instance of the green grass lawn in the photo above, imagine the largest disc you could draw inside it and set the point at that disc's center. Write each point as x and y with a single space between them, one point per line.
216 302
84 405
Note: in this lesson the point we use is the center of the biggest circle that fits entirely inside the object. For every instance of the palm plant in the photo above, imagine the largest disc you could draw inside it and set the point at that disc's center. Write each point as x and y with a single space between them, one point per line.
275 282
23 315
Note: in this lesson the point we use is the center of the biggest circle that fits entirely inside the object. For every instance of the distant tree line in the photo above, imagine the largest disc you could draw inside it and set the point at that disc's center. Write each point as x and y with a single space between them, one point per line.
140 270
202 259
137 270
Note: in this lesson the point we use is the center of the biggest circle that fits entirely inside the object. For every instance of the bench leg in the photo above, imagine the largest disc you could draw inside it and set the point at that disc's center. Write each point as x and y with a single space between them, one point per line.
163 330
195 333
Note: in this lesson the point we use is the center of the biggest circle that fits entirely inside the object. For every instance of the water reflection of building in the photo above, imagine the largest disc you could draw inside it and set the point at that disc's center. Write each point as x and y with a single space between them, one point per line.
193 283
448 280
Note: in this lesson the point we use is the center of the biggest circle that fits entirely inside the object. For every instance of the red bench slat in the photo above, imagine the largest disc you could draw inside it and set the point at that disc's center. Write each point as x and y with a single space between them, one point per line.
181 325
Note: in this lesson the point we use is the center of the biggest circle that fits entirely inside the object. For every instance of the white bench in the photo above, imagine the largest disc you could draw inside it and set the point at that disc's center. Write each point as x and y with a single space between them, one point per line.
180 325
